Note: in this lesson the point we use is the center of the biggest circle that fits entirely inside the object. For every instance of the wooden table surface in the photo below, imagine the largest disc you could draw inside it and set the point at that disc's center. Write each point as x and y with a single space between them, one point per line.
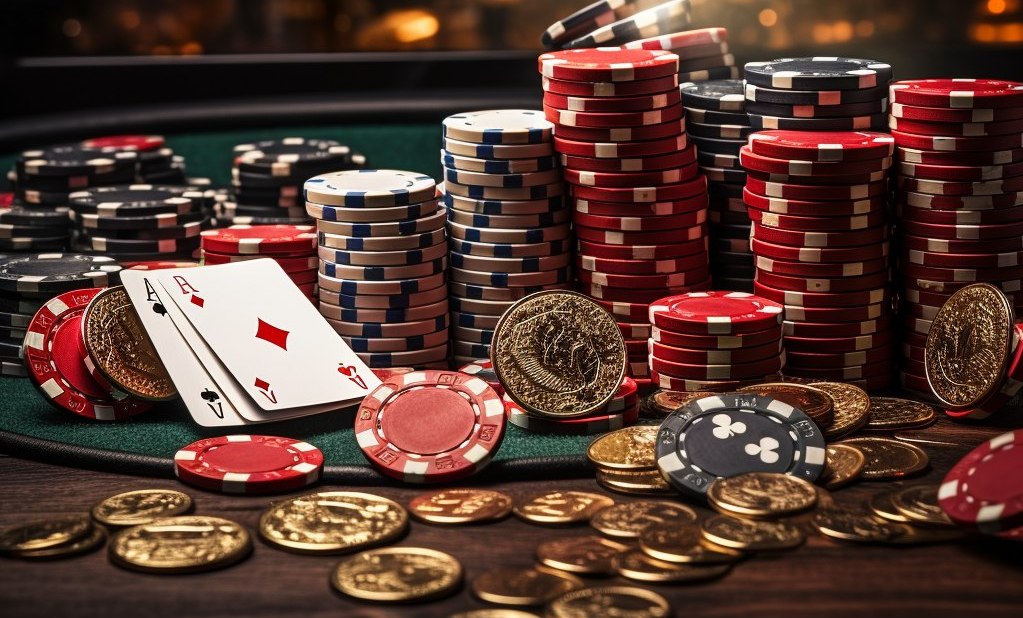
823 578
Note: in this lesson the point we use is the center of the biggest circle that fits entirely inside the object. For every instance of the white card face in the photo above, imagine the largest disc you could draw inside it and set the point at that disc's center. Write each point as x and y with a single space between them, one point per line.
268 335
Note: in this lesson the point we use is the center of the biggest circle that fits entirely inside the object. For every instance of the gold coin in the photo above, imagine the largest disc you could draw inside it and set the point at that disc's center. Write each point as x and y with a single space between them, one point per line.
631 448
817 404
121 350
622 601
558 354
888 458
562 507
493 612
398 575
751 535
919 504
663 403
332 522
645 482
890 413
460 506
45 533
686 545
969 345
185 544
628 519
84 545
856 526
761 494
636 565
845 463
852 408
141 506
523 586
881 505
588 555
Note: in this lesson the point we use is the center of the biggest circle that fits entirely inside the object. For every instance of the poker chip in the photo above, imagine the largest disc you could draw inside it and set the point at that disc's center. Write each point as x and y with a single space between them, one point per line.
795 167
715 313
607 64
457 437
843 110
974 492
554 103
335 214
586 19
497 151
369 189
958 93
595 424
140 200
714 74
613 119
684 41
56 272
730 434
249 464
814 97
497 166
261 239
503 126
70 160
642 164
666 17
818 73
718 95
807 208
290 156
961 115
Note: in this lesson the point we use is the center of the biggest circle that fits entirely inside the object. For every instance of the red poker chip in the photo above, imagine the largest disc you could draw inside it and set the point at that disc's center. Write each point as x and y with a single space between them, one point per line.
619 150
662 193
959 202
842 345
943 187
963 260
979 491
840 360
631 179
681 158
859 372
737 341
653 209
642 267
939 245
608 64
821 300
632 295
696 356
642 223
715 313
840 180
961 173
626 310
964 232
430 426
683 41
737 371
596 423
795 238
54 356
823 284
586 88
958 144
484 369
1011 386
245 464
945 114
287 264
260 239
961 275
923 297
672 128
387 373
612 104
924 312
794 191
666 237
931 157
143 143
691 386
804 208
961 217
817 224
632 330
958 93
613 119
696 275
795 167
815 255
915 383
956 129
822 146
6 199
836 330
816 270
635 347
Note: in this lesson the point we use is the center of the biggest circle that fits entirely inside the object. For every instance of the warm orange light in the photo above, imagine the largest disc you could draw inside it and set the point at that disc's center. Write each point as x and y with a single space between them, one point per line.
822 33
191 48
842 31
71 28
865 29
129 19
983 33
768 18
996 7
1011 33
417 29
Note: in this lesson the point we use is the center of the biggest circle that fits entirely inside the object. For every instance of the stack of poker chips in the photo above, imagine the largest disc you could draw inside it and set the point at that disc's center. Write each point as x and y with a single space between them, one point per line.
141 222
267 177
818 94
718 126
28 282
959 198
640 202
714 341
703 54
622 410
383 257
607 23
820 237
508 222
157 163
293 247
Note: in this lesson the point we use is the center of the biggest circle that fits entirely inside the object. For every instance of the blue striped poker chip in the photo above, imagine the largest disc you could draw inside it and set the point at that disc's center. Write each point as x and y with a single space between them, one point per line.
504 207
725 435
353 257
546 219
383 273
340 214
407 242
509 280
396 314
497 166
351 287
423 225
395 344
499 151
505 250
525 264
465 348
499 126
469 320
586 19
378 330
479 192
369 188
507 181
383 301
474 335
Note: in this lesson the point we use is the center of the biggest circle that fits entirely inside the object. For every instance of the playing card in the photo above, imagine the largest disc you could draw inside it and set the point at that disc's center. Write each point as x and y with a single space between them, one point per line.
268 335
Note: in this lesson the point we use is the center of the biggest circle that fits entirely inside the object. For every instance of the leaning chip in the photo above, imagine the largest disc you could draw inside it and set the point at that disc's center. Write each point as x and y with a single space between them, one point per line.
249 464
982 491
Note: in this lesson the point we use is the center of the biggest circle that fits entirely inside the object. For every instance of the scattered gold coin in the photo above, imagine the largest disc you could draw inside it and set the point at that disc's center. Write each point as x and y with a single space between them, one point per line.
141 506
761 495
881 504
919 504
636 565
562 507
888 458
851 411
854 525
523 586
587 555
890 413
610 601
45 533
629 519
663 403
84 545
398 575
643 482
686 545
184 544
631 448
845 464
747 534
332 522
817 404
460 506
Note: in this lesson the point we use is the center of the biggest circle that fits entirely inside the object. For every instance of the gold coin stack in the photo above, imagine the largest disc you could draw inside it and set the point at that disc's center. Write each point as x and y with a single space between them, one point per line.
625 462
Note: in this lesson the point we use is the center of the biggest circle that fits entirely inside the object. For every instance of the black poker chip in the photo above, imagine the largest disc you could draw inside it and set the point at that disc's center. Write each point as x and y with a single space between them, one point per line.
186 230
141 200
117 246
73 160
763 94
843 110
876 122
44 243
56 273
291 155
723 95
718 160
35 217
719 146
88 221
709 116
819 73
718 131
10 231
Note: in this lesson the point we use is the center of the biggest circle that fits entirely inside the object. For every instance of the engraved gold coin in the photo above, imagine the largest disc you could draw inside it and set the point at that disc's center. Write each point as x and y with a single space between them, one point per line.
855 526
610 601
631 448
919 504
587 555
120 348
685 545
523 586
762 495
332 522
460 506
561 507
889 459
890 413
643 482
851 410
398 575
141 506
881 504
84 545
663 403
636 565
46 533
969 345
751 535
817 404
629 519
845 464
558 354
185 544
